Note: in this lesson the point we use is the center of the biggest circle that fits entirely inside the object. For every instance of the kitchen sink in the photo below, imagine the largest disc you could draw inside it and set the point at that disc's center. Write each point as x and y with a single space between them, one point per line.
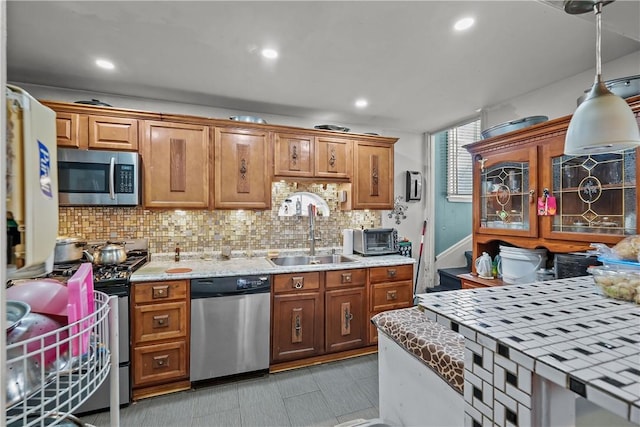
310 260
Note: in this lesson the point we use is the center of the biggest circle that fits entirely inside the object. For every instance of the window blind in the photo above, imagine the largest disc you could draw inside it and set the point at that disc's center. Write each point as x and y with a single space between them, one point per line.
459 163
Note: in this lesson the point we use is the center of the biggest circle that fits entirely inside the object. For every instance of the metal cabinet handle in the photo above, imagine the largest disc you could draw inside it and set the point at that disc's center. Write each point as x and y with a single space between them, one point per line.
160 362
296 326
346 277
347 317
160 292
332 157
392 295
391 273
297 282
161 321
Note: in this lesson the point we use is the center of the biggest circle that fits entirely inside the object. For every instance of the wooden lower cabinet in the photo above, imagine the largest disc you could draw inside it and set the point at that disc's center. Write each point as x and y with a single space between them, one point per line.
160 316
345 319
298 329
390 288
323 316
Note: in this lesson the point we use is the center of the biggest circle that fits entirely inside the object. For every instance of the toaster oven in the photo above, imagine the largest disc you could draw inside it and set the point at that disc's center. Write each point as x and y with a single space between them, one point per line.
375 241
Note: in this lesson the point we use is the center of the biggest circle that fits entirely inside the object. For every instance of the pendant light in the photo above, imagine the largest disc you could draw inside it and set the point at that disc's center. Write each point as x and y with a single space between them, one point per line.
603 122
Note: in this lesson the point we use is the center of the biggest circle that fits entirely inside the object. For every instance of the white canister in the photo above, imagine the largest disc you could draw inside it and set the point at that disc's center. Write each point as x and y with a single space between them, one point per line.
347 241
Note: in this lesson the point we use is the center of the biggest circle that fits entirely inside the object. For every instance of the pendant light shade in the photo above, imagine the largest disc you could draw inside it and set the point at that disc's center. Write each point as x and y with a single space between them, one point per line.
603 122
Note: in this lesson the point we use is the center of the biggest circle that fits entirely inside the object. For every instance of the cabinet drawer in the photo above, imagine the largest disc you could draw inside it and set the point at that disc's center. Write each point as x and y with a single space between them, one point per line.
160 321
388 296
346 278
159 363
160 291
391 274
296 281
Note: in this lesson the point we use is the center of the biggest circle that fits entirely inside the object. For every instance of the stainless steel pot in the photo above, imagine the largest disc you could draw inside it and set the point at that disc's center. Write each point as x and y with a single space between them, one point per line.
68 249
109 254
29 365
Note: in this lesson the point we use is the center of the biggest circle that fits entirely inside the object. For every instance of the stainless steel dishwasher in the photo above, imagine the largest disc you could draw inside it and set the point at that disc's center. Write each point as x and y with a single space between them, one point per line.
230 326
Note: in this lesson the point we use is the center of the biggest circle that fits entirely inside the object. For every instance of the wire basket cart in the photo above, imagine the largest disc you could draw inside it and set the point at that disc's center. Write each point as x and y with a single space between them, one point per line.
61 369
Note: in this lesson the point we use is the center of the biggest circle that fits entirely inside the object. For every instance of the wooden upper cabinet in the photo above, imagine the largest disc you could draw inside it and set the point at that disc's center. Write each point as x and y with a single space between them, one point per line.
113 133
93 127
176 162
333 158
68 131
373 176
242 175
293 155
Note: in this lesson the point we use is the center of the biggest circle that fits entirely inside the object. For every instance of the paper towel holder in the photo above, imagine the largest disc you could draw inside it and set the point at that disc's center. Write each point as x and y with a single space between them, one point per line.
413 186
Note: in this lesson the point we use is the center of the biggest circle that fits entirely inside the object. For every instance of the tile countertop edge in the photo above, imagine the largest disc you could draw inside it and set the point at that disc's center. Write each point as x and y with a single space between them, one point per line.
450 316
157 270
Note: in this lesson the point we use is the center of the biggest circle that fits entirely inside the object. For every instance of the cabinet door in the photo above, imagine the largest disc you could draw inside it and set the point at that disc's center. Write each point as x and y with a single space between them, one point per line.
333 158
68 130
373 176
298 326
175 159
595 194
242 177
113 133
293 155
345 319
506 193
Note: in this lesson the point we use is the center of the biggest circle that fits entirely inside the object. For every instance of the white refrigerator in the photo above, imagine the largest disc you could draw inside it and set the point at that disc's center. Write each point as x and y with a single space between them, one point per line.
31 185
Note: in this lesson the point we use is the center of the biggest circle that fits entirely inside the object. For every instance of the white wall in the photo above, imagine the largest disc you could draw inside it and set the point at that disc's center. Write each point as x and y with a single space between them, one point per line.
560 98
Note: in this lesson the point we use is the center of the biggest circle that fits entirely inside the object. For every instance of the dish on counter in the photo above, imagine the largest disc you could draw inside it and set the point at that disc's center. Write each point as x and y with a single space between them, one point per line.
617 283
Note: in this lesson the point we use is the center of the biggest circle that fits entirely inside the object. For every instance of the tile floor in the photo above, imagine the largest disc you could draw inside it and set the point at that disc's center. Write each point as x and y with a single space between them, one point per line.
322 395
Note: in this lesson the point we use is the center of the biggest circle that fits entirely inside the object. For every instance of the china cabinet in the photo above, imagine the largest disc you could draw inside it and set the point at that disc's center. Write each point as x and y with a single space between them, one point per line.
528 194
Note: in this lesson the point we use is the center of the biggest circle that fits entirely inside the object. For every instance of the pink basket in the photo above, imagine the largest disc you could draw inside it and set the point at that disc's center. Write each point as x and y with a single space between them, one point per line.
81 305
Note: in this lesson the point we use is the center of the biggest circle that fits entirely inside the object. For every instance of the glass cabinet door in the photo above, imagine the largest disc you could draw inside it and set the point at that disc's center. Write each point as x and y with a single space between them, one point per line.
505 194
595 193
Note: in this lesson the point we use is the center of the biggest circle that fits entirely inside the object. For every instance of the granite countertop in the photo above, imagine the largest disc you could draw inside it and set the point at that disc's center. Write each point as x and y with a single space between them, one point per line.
201 268
563 329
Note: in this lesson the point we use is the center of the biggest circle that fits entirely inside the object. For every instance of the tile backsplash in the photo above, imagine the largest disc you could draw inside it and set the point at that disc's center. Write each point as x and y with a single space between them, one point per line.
209 230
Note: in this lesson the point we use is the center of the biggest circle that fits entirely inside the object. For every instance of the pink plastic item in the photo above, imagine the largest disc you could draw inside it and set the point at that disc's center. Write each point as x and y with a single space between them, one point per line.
45 296
81 304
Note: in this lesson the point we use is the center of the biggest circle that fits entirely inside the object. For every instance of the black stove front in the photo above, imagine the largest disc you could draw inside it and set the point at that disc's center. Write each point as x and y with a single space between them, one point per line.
110 279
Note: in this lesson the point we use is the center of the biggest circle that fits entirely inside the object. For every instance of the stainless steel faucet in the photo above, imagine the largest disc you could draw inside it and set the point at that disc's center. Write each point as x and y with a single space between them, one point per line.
312 230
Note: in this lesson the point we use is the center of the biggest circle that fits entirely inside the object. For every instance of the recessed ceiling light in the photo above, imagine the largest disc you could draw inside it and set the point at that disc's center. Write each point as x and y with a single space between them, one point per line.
464 24
103 63
361 103
270 53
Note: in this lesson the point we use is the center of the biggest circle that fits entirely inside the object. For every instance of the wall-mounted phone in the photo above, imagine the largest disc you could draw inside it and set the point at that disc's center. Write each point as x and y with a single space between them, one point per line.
414 186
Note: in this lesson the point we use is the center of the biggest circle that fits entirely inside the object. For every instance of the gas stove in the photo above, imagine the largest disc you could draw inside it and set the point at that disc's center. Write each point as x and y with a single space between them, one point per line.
108 278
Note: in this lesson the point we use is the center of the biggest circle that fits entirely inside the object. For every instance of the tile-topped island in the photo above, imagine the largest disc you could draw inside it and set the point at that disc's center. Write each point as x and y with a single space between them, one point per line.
531 349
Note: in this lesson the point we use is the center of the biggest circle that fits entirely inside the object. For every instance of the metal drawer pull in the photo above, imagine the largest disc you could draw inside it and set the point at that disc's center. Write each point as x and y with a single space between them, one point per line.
160 291
346 277
161 361
391 273
296 326
161 321
392 295
297 282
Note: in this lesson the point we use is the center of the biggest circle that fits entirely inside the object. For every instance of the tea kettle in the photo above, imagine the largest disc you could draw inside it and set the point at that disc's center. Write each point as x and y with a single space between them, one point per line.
484 266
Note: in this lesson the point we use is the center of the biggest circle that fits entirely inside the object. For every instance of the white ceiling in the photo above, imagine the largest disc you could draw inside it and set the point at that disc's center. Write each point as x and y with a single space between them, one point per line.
402 56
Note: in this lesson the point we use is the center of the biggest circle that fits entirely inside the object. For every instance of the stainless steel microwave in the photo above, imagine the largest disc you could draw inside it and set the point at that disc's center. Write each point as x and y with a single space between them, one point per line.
375 241
101 178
